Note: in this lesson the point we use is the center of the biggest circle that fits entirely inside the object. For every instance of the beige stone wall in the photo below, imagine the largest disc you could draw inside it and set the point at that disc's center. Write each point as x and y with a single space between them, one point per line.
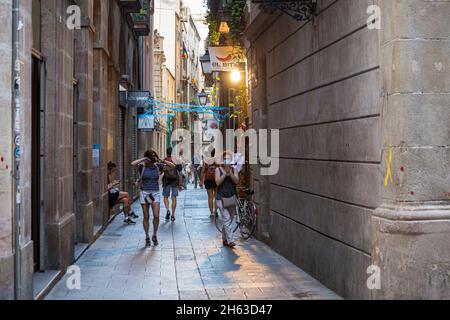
6 156
58 49
318 82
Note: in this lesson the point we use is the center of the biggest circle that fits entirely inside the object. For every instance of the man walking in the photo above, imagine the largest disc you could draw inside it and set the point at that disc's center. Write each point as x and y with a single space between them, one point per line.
172 181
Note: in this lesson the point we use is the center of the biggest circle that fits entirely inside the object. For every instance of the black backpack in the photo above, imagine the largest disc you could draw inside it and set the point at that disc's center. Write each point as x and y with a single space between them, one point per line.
171 174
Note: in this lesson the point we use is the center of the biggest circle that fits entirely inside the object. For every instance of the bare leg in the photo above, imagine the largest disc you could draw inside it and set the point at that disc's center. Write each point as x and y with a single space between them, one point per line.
174 206
215 200
166 203
155 207
124 198
145 209
211 200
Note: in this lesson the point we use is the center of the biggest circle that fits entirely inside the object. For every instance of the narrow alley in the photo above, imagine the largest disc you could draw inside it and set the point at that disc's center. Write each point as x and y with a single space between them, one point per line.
189 264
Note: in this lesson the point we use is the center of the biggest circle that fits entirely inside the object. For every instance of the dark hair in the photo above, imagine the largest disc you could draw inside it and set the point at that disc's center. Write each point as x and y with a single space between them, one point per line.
150 154
111 165
169 152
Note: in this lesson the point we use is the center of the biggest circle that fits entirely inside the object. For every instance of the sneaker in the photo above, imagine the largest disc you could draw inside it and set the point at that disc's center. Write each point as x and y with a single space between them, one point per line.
133 215
168 215
129 221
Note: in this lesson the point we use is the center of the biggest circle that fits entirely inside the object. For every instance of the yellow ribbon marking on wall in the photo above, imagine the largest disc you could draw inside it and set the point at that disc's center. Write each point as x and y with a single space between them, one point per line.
388 165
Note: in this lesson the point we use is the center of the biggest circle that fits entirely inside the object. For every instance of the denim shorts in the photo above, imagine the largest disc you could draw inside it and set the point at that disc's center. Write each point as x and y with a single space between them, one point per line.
170 189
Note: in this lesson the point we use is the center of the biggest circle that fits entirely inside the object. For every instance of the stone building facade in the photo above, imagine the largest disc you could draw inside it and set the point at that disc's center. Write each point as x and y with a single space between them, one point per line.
72 125
356 106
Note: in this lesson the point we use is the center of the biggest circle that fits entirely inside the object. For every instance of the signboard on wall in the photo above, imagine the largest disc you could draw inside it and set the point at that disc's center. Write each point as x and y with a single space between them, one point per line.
96 155
135 99
146 122
222 59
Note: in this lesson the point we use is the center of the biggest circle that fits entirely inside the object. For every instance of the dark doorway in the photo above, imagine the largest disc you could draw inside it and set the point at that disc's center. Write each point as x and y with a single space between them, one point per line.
36 155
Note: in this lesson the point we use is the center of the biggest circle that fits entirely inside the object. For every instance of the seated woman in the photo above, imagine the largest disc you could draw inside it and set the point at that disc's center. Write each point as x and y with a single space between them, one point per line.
115 196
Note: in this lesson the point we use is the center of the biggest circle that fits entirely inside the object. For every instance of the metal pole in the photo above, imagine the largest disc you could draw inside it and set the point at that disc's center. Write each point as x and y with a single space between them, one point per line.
16 117
42 102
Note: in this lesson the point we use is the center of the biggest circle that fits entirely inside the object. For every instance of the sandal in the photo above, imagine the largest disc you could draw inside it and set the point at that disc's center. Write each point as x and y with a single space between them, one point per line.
173 219
168 215
155 240
148 243
128 221
232 245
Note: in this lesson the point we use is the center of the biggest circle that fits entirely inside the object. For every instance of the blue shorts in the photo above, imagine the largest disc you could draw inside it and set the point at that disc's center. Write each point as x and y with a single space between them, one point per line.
170 189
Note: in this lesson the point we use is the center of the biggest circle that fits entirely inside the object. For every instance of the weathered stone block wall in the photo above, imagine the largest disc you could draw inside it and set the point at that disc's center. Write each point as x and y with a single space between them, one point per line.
84 69
58 48
411 229
318 82
6 156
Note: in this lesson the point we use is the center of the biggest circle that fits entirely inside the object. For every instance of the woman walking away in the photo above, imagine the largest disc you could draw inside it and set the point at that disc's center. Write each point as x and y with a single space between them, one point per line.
208 179
150 168
227 179
115 196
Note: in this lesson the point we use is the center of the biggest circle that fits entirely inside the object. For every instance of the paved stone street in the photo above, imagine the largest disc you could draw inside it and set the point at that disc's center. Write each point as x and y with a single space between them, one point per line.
189 264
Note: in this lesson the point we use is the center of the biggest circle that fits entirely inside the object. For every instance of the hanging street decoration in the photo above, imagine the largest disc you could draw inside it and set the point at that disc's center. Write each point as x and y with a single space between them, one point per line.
178 107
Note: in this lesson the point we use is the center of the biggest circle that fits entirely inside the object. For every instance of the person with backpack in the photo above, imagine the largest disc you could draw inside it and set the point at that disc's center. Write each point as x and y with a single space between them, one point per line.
208 179
172 180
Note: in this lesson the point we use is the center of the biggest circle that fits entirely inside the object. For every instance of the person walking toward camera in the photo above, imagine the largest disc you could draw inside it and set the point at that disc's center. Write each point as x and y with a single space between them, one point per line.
150 168
227 179
171 185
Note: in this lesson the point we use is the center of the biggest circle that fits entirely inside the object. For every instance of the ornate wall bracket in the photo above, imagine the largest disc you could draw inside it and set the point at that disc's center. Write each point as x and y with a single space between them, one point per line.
300 10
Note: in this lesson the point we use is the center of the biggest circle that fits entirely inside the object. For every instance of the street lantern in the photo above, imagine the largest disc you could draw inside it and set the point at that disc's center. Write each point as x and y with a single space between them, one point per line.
205 60
203 98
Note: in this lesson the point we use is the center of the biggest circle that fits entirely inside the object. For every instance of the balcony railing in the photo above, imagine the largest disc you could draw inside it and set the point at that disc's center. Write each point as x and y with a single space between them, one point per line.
131 6
141 23
301 10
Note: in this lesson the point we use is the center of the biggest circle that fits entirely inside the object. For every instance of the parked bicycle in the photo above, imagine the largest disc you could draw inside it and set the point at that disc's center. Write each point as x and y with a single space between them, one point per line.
246 217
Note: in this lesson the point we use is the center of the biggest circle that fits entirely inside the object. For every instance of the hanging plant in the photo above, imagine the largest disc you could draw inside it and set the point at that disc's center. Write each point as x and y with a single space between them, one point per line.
213 35
238 21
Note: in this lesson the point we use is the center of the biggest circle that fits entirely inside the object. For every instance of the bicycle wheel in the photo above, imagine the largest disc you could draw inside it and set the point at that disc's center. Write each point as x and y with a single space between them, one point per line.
247 220
219 222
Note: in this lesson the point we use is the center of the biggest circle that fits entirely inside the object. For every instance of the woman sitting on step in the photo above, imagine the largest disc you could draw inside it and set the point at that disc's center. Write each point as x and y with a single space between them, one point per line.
116 197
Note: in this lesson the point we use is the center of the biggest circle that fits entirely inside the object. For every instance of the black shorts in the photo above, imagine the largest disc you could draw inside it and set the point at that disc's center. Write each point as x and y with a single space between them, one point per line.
112 199
210 184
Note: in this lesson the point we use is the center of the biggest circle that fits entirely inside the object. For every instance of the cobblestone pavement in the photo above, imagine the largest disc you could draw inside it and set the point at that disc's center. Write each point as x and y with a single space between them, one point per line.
189 264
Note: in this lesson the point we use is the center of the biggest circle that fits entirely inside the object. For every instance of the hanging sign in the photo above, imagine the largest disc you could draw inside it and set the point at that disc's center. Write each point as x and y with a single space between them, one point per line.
222 59
135 99
96 155
146 122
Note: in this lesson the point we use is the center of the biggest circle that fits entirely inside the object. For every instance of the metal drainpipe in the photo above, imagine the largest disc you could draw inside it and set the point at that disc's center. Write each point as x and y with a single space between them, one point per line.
16 118
42 237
